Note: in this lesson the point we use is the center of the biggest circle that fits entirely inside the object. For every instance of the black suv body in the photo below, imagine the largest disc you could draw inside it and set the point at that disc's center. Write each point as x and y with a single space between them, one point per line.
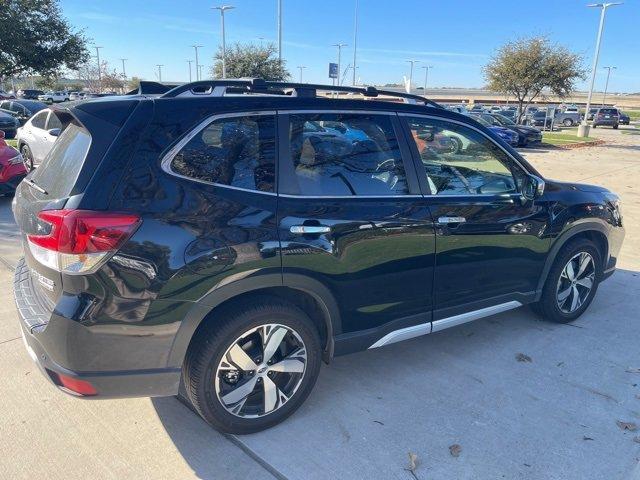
235 241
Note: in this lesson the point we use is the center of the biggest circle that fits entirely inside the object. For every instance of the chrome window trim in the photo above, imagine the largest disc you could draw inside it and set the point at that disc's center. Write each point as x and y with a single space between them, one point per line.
320 197
336 111
165 163
458 122
442 324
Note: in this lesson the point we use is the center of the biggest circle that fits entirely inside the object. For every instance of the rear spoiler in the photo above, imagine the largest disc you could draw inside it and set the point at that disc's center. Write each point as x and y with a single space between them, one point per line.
151 88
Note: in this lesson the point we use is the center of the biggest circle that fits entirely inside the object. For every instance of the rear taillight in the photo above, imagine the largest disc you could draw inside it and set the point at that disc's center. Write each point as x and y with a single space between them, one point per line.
78 241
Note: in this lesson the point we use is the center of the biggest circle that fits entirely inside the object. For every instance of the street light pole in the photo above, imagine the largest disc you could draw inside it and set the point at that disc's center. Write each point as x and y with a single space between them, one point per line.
301 67
355 43
196 47
426 77
412 62
160 72
606 85
99 70
189 62
223 9
280 32
339 45
583 129
124 72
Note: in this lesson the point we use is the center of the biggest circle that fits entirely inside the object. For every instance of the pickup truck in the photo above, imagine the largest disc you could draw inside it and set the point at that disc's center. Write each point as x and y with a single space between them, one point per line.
568 117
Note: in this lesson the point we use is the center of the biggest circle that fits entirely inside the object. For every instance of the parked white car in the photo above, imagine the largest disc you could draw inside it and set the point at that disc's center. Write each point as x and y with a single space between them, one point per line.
54 97
36 137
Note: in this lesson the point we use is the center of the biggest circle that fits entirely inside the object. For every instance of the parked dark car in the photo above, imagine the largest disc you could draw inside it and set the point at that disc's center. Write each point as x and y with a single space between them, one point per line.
8 124
623 118
526 135
6 96
540 119
27 94
213 241
23 110
12 168
592 112
607 116
505 134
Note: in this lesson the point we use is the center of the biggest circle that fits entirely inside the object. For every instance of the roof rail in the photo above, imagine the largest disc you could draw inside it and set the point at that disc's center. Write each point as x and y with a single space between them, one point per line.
151 88
257 85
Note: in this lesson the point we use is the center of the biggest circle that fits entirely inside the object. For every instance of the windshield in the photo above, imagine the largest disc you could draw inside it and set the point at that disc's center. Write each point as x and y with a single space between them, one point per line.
504 120
60 169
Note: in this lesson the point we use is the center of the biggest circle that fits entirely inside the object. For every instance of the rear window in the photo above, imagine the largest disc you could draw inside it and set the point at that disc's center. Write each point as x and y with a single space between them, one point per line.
609 111
59 170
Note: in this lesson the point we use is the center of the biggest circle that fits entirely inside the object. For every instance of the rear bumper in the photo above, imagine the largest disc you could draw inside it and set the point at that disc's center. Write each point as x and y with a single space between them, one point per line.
34 322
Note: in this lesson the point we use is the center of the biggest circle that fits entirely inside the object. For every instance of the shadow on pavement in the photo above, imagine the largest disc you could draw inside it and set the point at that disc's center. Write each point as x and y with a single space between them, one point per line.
462 386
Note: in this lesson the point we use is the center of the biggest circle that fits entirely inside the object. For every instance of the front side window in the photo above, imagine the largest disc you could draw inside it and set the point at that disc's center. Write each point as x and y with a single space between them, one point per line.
39 120
459 160
233 151
343 154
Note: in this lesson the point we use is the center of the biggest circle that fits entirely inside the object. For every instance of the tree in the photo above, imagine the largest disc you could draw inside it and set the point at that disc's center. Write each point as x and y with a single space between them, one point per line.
36 39
251 60
525 67
133 83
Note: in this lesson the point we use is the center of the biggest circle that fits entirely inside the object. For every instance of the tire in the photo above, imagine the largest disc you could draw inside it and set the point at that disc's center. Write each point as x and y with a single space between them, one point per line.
457 145
210 355
550 306
27 156
615 127
594 126
567 122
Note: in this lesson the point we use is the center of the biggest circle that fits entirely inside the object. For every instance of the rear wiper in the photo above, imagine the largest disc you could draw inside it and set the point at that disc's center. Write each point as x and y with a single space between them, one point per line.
34 185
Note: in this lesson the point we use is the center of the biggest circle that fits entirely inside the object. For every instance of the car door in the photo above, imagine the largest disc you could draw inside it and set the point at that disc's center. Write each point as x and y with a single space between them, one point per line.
352 221
490 242
36 136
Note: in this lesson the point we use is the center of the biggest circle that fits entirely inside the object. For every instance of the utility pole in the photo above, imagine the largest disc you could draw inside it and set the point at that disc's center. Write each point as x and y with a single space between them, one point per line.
160 72
355 44
124 72
412 62
426 77
606 85
189 62
200 71
280 31
339 45
99 69
196 47
301 67
222 9
583 129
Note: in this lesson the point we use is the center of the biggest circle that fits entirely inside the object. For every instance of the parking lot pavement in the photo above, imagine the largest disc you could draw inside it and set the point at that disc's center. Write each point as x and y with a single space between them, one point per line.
522 398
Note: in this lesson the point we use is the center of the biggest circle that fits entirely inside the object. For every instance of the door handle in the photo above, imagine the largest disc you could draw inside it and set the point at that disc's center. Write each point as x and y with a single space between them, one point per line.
309 229
447 220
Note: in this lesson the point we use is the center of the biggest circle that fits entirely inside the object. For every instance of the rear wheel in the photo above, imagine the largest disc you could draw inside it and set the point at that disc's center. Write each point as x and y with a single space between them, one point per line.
571 283
567 122
615 127
256 368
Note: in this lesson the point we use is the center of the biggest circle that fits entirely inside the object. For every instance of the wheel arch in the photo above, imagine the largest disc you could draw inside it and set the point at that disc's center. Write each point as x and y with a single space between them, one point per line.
306 293
592 230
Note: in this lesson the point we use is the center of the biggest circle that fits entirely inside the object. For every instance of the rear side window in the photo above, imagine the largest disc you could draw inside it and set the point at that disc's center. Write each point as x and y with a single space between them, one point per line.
235 151
39 120
338 154
53 122
60 169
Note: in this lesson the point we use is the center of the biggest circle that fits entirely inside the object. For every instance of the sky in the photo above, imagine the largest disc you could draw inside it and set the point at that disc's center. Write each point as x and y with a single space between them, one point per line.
456 37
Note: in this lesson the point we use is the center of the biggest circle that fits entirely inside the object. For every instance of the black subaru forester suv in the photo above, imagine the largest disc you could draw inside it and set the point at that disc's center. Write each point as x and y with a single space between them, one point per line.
228 236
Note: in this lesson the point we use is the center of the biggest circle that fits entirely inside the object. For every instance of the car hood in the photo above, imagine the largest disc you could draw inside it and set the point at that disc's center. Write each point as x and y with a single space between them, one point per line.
500 129
523 128
583 187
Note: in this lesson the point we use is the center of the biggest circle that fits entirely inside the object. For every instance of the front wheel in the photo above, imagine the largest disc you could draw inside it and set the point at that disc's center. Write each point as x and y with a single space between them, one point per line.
567 122
255 368
571 283
615 127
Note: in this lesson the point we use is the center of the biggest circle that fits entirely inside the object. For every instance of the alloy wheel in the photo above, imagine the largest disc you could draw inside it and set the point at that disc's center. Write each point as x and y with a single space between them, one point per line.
261 371
575 282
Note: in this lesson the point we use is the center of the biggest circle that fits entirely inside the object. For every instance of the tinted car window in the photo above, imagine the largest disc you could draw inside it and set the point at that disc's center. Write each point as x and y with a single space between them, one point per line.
60 169
39 120
53 122
459 160
608 111
237 151
354 154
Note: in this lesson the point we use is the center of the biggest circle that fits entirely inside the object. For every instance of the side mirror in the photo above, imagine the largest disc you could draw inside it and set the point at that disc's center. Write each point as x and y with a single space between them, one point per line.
533 187
54 132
